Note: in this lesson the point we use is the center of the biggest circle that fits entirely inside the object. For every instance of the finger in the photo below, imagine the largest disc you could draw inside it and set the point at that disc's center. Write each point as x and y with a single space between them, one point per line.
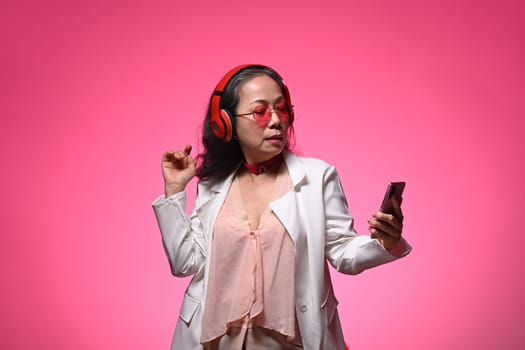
372 232
189 161
388 219
179 155
385 231
396 205
173 159
393 229
167 156
388 242
377 231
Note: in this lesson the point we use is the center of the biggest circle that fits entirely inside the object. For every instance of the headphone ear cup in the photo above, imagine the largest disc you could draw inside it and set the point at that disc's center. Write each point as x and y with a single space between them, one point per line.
228 125
221 126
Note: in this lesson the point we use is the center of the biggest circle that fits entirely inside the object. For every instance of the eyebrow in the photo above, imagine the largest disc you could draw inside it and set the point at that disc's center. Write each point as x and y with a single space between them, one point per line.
279 99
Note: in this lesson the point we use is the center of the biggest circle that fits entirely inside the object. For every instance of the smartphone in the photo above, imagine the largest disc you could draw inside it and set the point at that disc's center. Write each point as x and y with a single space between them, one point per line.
394 190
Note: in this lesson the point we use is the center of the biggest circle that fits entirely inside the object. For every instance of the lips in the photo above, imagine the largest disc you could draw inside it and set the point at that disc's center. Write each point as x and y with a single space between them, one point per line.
275 137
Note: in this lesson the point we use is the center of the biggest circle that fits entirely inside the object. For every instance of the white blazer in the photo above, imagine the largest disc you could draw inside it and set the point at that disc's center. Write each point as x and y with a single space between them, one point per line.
316 216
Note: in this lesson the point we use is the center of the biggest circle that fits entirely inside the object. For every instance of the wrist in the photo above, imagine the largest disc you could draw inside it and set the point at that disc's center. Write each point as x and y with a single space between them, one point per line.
171 189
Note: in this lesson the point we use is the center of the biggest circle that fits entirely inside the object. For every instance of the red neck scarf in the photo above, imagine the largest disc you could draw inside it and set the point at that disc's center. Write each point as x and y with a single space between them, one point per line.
262 167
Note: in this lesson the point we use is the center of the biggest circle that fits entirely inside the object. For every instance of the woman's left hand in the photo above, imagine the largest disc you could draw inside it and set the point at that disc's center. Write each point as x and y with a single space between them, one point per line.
387 228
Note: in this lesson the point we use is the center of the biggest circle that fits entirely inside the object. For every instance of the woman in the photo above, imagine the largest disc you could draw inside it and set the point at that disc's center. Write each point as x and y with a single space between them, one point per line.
264 224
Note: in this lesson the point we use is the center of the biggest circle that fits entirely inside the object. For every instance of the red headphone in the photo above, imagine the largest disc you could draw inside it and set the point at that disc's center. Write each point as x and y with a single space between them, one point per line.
221 121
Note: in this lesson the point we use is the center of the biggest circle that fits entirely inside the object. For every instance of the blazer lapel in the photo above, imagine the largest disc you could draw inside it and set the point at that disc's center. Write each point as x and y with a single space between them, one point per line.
212 202
288 207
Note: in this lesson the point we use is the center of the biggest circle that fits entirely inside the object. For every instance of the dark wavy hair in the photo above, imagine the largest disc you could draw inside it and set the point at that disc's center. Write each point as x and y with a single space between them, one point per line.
220 158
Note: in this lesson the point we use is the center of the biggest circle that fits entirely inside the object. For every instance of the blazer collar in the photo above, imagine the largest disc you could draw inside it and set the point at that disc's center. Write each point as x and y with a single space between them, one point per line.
295 168
224 185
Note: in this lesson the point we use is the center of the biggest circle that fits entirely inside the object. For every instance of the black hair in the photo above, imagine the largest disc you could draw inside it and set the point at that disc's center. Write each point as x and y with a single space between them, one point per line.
220 158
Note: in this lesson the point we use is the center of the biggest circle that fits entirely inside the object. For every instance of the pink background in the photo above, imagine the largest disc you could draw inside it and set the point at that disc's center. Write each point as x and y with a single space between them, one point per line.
427 92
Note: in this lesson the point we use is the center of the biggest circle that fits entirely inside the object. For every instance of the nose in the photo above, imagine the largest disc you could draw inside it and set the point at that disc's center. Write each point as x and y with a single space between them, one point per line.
274 120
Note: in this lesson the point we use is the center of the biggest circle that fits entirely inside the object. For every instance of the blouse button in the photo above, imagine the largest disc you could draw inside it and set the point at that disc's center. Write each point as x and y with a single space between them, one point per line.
303 308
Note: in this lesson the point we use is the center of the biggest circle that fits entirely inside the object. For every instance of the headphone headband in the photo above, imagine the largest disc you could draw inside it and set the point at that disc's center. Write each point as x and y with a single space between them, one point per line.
227 77
221 122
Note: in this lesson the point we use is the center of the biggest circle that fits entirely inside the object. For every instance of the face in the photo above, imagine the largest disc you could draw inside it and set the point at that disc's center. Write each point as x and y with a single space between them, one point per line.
260 141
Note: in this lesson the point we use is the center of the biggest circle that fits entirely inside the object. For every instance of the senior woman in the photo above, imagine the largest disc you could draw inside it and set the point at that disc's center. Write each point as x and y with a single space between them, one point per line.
264 225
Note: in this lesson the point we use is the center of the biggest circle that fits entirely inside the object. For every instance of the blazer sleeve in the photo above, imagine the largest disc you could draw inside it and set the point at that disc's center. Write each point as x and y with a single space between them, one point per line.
348 252
182 236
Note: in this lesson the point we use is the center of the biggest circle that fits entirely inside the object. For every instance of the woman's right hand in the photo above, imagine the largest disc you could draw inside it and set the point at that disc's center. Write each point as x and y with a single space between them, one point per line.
178 168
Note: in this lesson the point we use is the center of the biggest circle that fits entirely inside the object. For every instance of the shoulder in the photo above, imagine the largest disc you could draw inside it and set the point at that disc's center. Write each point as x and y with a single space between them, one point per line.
309 170
315 163
310 164
207 187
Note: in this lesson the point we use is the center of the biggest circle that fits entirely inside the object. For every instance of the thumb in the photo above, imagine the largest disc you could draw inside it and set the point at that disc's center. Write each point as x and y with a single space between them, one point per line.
190 162
396 204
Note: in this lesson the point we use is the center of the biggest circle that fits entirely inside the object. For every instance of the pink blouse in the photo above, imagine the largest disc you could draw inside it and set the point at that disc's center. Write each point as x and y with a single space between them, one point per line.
251 278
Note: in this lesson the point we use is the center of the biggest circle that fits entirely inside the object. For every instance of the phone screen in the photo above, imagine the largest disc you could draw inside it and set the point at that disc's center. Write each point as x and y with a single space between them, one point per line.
394 190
